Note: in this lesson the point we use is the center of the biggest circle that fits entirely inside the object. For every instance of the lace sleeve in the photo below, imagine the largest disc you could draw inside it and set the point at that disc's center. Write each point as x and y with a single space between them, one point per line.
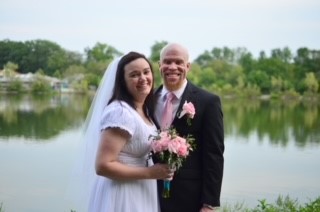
117 115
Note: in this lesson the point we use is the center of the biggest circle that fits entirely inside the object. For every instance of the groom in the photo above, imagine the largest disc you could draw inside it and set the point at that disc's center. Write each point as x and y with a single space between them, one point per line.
196 186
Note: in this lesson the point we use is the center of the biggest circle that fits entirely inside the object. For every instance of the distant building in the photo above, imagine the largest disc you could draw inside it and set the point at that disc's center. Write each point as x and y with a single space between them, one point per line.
27 80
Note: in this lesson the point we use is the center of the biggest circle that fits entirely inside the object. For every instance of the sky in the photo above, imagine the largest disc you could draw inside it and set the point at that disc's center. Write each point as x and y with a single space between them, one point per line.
137 25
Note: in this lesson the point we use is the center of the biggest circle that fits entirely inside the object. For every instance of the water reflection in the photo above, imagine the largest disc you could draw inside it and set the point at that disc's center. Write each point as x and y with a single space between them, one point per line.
279 121
40 117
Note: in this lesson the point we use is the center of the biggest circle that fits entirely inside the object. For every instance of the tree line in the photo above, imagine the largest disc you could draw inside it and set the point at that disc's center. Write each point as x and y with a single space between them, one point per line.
227 71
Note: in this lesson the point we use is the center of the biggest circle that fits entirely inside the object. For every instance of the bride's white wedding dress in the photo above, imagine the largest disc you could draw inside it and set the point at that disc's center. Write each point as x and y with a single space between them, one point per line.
127 195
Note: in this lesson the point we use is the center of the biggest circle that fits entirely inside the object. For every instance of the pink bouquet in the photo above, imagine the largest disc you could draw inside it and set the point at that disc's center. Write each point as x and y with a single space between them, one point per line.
171 149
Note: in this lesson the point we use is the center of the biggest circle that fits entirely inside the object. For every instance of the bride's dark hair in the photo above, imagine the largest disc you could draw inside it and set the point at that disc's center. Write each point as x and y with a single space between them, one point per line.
120 91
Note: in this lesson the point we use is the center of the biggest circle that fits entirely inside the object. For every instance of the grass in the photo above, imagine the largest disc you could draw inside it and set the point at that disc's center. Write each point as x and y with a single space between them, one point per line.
282 204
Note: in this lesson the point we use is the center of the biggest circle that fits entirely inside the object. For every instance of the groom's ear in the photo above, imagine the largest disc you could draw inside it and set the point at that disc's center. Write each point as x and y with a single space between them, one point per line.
188 66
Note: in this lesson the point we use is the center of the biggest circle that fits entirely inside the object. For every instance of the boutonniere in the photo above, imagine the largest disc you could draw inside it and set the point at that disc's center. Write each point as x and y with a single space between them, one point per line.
188 110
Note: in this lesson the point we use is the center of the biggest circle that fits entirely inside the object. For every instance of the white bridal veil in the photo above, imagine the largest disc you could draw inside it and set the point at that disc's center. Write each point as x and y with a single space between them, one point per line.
84 173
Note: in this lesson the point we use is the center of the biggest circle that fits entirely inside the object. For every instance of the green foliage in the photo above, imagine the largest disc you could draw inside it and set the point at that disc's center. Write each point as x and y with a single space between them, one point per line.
287 204
206 77
1 207
282 204
204 59
15 86
40 85
81 86
194 74
276 84
234 75
260 78
74 70
36 54
227 90
92 80
312 206
155 51
157 74
251 91
246 60
290 94
12 51
101 52
97 68
214 69
11 66
311 83
57 74
284 54
238 207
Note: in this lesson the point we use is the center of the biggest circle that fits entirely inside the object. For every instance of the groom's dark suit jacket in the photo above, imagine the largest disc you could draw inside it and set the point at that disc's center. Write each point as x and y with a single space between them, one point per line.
199 180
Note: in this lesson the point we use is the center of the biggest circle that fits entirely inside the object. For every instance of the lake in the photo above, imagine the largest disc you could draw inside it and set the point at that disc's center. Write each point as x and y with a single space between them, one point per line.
272 149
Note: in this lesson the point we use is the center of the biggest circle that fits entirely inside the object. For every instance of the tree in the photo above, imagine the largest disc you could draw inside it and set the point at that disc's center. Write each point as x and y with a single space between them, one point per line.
194 73
101 52
74 70
260 79
207 77
246 61
40 84
284 54
228 55
14 85
204 59
306 61
39 53
276 84
216 53
13 52
311 83
155 50
233 75
9 66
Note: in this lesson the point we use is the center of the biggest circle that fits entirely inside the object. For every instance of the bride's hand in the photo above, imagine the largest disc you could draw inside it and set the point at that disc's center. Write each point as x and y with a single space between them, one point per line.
161 171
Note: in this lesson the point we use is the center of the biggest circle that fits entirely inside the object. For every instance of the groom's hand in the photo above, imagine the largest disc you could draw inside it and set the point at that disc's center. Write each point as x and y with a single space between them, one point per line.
206 208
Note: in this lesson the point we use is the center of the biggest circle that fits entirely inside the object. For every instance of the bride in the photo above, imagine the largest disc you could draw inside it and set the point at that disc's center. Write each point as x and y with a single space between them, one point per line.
118 174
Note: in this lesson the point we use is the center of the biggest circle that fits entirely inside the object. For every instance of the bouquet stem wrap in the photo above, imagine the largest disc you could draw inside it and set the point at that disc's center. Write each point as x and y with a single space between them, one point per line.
166 189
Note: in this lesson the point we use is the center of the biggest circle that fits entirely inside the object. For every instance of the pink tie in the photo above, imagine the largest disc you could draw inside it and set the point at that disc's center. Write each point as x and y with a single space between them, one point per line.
167 116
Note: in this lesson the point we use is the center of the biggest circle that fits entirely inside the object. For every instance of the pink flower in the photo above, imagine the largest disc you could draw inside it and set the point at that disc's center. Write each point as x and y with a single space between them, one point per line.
157 147
183 151
162 142
188 108
173 146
